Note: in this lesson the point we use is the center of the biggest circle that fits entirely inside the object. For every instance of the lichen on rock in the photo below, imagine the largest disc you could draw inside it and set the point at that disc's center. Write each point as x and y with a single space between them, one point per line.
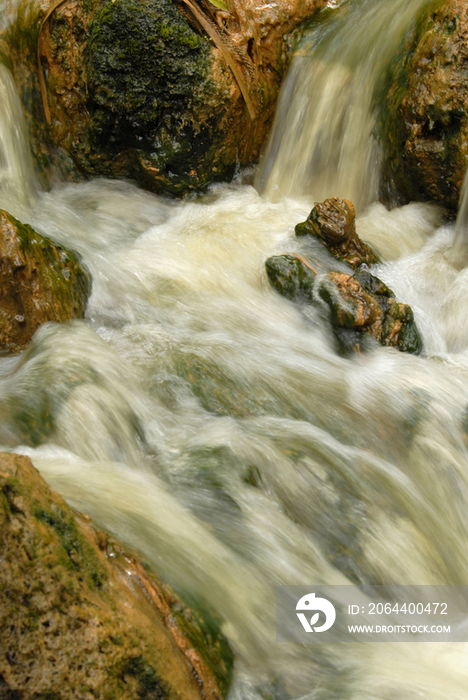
39 280
81 619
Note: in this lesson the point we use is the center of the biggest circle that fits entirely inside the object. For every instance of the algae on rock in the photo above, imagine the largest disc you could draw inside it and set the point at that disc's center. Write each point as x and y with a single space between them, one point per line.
139 89
80 618
40 281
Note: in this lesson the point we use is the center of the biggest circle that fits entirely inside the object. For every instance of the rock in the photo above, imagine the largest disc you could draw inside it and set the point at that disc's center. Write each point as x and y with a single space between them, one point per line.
173 95
364 304
333 223
359 305
291 276
80 618
424 125
39 281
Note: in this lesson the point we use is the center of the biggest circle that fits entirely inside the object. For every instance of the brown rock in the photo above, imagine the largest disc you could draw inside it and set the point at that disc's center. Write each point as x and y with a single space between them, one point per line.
80 618
362 303
359 305
173 95
425 119
39 281
333 223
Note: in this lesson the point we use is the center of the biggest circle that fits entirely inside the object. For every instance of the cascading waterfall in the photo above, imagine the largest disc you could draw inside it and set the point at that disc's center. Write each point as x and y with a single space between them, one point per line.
458 255
206 421
16 179
322 140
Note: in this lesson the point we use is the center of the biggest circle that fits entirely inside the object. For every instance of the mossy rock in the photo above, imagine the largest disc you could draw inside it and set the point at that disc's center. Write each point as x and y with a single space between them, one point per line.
81 618
423 126
148 77
40 280
361 306
291 277
141 89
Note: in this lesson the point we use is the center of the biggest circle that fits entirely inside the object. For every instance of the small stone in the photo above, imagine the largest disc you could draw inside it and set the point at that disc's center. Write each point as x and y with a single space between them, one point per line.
364 303
291 276
333 223
360 305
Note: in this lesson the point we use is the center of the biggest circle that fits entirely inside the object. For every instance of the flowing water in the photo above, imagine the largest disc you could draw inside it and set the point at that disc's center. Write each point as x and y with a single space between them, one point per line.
322 139
208 422
458 255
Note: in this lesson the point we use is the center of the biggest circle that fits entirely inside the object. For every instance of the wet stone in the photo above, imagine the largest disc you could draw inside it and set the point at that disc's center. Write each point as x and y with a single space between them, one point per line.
80 617
361 305
333 223
39 281
364 304
291 276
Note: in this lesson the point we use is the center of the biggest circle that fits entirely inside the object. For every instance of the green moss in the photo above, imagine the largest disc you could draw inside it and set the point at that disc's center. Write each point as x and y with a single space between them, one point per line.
79 554
150 686
143 62
289 276
5 504
203 629
55 266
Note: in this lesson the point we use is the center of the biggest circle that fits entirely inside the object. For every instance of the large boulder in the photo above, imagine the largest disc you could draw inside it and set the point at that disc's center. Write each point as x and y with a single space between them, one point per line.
424 126
81 619
173 95
39 281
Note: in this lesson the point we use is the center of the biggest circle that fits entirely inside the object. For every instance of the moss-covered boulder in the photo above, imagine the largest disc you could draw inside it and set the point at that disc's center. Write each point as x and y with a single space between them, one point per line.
81 619
175 95
333 223
424 125
360 305
39 280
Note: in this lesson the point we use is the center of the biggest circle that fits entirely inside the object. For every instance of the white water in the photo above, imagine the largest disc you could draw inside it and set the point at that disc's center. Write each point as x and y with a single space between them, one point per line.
458 255
16 175
361 463
322 142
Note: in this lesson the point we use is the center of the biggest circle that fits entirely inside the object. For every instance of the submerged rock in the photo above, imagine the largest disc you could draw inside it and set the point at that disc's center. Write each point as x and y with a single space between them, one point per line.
424 125
360 304
80 618
175 95
333 223
39 281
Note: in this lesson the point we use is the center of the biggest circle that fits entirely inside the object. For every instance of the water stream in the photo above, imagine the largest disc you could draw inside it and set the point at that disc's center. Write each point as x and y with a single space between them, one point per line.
322 140
209 423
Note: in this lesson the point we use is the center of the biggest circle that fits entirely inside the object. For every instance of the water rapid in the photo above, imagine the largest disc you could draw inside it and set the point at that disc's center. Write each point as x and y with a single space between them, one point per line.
322 140
208 422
